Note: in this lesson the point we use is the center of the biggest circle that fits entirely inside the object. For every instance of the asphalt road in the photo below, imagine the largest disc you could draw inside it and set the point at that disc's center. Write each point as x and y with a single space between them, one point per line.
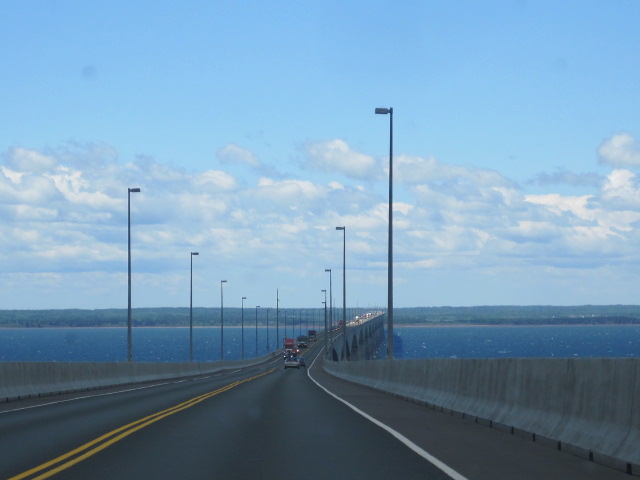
472 451
264 423
258 423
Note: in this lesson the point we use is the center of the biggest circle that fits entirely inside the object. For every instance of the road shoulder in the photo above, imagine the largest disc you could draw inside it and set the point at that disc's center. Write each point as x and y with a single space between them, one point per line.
476 451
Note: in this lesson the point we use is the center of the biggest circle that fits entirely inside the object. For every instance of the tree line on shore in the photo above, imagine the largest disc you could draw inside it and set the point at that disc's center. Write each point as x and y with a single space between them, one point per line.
174 317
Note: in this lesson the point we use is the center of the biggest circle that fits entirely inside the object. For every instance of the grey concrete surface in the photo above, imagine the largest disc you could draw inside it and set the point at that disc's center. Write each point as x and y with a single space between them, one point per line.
34 379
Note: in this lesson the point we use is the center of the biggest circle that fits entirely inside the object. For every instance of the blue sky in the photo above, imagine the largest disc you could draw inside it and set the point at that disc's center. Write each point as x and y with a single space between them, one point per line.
250 129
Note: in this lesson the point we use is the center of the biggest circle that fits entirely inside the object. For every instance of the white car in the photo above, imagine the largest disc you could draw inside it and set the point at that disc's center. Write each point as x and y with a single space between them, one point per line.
291 362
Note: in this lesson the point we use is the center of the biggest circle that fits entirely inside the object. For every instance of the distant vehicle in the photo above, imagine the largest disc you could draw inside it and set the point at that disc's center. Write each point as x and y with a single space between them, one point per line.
302 362
291 362
289 344
313 335
302 341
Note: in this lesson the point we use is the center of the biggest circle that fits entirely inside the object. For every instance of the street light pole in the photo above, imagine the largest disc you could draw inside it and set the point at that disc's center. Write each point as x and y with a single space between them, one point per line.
267 330
129 350
242 323
330 307
222 282
257 307
325 319
344 291
191 310
277 317
389 111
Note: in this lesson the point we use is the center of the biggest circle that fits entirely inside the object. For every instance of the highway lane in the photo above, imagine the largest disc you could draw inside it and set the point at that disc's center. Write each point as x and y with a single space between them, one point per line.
36 434
263 422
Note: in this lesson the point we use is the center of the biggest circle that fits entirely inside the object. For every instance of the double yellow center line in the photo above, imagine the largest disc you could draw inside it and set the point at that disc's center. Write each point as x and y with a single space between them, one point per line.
85 451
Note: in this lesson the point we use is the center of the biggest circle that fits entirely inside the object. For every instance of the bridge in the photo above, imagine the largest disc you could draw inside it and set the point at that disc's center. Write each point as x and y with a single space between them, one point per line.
364 335
462 419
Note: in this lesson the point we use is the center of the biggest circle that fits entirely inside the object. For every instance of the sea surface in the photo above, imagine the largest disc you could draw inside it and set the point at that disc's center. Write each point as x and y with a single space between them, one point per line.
562 341
172 344
148 344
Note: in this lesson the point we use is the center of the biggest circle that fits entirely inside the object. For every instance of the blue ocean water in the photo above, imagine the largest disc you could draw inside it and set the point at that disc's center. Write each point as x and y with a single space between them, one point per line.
561 341
172 344
148 344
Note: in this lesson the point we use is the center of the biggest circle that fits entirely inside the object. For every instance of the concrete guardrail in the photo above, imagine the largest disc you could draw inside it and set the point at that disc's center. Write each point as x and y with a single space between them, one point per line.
36 379
589 407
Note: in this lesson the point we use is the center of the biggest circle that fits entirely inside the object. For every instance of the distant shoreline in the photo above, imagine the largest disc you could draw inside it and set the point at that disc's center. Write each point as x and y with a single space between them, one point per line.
209 317
263 326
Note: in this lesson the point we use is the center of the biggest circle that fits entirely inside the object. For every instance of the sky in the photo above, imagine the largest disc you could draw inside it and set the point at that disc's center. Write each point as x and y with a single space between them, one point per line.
249 128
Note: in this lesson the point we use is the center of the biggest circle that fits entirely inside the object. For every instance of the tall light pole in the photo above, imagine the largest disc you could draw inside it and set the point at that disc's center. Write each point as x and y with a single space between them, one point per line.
385 111
293 322
242 323
277 317
325 319
129 352
344 291
330 307
257 307
267 330
222 282
191 310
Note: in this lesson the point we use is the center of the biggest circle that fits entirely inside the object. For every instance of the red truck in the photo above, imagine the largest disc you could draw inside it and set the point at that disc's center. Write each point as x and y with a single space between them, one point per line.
289 346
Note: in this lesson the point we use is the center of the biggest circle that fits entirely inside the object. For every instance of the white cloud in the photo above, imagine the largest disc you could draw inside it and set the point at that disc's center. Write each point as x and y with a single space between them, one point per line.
76 189
63 215
621 186
414 170
31 213
232 153
215 180
13 176
559 204
22 188
290 194
29 161
337 156
621 150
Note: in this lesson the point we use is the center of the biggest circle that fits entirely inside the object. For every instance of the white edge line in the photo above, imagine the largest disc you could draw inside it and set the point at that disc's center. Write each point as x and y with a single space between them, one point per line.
105 394
117 392
423 453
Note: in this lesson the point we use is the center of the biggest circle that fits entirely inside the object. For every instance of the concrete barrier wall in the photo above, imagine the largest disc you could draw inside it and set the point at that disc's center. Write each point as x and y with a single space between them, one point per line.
587 406
34 379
